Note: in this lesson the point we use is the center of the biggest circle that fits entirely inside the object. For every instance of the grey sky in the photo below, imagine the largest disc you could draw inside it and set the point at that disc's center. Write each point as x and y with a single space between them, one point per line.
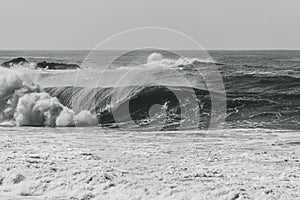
216 24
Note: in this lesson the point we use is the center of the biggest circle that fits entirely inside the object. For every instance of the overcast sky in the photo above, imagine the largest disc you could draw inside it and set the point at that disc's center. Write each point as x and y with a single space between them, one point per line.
216 24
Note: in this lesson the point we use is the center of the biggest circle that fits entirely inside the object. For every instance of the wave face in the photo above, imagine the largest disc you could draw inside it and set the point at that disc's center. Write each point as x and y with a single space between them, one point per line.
134 103
253 108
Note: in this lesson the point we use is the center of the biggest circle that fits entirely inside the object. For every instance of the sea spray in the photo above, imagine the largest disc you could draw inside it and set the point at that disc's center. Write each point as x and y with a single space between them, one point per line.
85 118
37 109
157 60
24 103
13 85
65 118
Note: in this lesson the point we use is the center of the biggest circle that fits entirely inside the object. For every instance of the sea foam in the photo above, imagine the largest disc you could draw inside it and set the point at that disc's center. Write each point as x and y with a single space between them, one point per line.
24 103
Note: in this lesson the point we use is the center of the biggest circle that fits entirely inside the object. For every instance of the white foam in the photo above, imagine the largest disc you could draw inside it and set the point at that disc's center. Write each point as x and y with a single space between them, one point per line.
154 57
24 103
65 118
85 118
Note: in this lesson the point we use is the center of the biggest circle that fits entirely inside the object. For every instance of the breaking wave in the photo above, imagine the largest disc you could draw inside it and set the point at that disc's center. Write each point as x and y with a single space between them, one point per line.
252 101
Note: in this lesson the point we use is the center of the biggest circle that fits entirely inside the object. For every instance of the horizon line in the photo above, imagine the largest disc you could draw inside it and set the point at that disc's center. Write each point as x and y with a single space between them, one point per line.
184 49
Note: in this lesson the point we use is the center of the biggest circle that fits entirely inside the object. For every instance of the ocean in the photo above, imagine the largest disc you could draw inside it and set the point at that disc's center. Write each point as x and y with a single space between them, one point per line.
261 87
150 124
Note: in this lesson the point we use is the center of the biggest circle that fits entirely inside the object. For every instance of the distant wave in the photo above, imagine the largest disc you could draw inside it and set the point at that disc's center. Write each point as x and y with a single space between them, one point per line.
156 60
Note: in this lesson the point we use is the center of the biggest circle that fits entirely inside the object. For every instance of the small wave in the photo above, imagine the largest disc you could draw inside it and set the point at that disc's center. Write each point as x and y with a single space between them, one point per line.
263 84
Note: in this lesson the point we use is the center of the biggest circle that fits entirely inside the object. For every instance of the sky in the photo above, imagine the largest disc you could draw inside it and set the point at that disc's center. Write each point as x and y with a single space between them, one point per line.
215 24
